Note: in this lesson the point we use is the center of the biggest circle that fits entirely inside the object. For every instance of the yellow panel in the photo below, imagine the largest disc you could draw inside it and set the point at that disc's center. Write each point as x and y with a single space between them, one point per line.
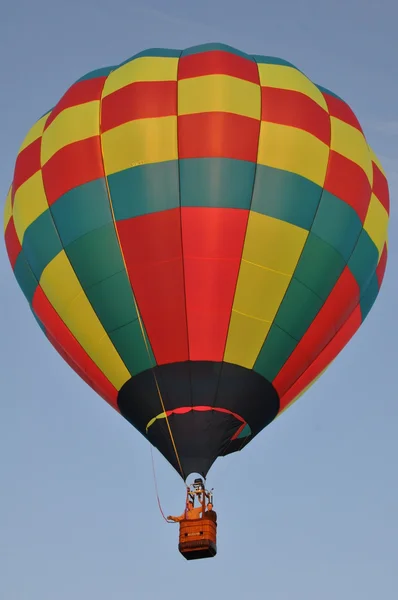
7 209
221 93
152 421
289 78
71 125
246 336
35 132
146 68
376 161
271 252
273 243
29 203
293 150
376 223
64 291
140 142
260 291
349 142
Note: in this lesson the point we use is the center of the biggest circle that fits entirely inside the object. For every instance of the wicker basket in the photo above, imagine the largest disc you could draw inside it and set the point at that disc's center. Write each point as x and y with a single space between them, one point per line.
198 538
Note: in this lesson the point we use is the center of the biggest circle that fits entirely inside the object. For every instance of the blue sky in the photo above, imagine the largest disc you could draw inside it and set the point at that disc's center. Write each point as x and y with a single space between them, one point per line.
309 510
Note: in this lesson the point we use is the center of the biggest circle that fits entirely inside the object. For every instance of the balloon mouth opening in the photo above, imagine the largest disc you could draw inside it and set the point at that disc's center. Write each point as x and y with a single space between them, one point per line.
244 429
194 476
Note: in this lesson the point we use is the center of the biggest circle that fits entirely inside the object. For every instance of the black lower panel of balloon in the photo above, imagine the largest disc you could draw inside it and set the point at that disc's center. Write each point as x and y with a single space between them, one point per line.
213 409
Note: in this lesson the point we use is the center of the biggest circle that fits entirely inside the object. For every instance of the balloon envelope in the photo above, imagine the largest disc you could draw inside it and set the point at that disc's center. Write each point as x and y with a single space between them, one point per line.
198 233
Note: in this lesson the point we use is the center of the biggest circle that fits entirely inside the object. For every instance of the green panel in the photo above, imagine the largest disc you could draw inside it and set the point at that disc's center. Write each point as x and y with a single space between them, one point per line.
216 182
298 309
363 261
81 210
96 256
319 266
214 46
112 300
276 349
131 346
338 224
24 276
272 60
326 91
155 52
46 113
41 243
144 189
103 72
285 196
246 431
40 324
369 297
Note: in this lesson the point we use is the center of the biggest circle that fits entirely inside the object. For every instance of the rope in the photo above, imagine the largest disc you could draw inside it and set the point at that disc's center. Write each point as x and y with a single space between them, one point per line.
156 488
143 333
159 392
108 191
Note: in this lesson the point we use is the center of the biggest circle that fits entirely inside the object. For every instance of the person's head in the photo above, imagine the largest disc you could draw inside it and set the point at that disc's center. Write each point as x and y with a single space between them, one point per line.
190 505
209 506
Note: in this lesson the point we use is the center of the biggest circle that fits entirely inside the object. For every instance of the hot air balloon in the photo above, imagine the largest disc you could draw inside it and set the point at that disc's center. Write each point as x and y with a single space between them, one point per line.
198 233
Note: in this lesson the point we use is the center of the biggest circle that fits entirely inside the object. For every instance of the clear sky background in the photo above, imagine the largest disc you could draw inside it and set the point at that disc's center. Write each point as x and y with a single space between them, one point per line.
309 510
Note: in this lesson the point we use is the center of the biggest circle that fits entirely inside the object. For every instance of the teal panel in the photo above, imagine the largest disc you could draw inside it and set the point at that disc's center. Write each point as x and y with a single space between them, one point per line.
272 60
363 261
96 256
144 189
276 349
285 196
112 300
46 113
41 243
216 182
319 266
298 309
326 91
368 298
246 431
131 346
154 52
103 72
40 324
24 276
214 46
81 210
338 224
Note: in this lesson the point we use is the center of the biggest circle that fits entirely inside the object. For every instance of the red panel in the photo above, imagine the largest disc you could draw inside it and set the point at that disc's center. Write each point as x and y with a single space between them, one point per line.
69 348
339 109
79 93
346 180
341 302
218 134
12 242
381 267
213 241
73 165
288 107
220 63
183 410
27 164
380 187
329 353
151 246
141 100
